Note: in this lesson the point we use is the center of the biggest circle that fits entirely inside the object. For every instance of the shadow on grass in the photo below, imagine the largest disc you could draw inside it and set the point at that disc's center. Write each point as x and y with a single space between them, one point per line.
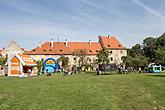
103 73
157 75
107 73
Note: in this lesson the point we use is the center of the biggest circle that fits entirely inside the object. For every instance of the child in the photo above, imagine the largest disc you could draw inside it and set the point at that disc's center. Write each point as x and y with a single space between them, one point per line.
48 74
29 71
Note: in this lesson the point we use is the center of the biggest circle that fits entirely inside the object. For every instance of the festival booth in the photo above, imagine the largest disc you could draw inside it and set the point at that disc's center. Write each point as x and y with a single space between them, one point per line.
19 65
51 65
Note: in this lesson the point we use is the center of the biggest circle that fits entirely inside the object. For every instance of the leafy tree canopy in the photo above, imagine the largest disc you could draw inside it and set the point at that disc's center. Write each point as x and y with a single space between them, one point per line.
103 56
151 51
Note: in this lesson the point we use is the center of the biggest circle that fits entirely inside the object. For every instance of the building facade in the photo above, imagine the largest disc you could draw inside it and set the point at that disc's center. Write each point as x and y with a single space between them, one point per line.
56 49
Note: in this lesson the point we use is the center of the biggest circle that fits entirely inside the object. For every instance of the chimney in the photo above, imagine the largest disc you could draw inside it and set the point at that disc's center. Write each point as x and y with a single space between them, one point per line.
90 42
66 42
52 42
39 45
109 36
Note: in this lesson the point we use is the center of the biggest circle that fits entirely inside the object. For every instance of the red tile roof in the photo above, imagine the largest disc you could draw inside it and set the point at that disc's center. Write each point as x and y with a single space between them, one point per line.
60 48
110 42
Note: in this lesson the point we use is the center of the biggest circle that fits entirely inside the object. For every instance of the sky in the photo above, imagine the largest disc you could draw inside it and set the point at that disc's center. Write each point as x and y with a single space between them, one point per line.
29 22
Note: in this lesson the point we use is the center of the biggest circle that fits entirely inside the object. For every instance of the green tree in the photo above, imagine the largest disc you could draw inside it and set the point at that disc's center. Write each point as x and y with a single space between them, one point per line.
127 60
152 51
139 61
136 61
81 55
3 61
40 64
149 47
136 50
64 60
103 56
161 41
160 56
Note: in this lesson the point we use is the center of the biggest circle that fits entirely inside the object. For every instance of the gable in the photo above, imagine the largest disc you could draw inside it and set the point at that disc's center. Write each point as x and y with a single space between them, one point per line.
15 61
110 42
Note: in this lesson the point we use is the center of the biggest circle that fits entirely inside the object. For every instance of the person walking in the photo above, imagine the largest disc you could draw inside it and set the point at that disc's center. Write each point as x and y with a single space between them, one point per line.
29 71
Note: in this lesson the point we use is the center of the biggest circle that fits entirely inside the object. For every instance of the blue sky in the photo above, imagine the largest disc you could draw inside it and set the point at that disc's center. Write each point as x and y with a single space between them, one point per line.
29 22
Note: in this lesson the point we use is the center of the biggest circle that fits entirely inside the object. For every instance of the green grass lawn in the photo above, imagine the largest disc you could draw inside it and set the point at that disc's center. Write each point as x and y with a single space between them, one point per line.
84 92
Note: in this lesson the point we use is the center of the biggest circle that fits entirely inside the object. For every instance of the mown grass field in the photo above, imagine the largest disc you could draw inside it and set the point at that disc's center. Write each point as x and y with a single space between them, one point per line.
84 92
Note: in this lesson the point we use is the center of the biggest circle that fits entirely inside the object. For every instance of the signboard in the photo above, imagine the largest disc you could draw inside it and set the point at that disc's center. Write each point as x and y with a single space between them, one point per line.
27 59
50 62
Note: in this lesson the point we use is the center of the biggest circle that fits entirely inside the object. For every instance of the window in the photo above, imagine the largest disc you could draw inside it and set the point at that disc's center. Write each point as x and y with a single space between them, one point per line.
119 45
109 45
74 59
34 50
50 50
96 50
110 52
90 51
60 50
44 50
157 68
121 51
111 58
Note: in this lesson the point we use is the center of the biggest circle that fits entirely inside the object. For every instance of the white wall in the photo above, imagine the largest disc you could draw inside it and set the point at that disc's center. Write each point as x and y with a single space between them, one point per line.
116 55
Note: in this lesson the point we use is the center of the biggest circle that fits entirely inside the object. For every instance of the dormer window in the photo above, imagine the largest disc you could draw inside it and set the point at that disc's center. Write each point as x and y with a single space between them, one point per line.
97 51
34 50
60 50
119 45
44 50
90 51
50 50
109 45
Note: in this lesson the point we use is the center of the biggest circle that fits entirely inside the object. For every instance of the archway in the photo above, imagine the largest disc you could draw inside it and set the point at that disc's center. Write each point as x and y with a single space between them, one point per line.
50 65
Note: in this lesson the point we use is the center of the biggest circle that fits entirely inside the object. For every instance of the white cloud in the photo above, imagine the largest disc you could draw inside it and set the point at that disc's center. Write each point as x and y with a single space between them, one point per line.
81 20
150 10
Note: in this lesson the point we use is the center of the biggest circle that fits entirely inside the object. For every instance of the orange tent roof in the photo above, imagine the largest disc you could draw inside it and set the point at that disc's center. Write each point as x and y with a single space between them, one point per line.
26 59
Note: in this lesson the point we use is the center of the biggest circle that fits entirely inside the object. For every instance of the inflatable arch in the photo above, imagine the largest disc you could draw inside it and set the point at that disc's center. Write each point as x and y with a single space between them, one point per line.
51 65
